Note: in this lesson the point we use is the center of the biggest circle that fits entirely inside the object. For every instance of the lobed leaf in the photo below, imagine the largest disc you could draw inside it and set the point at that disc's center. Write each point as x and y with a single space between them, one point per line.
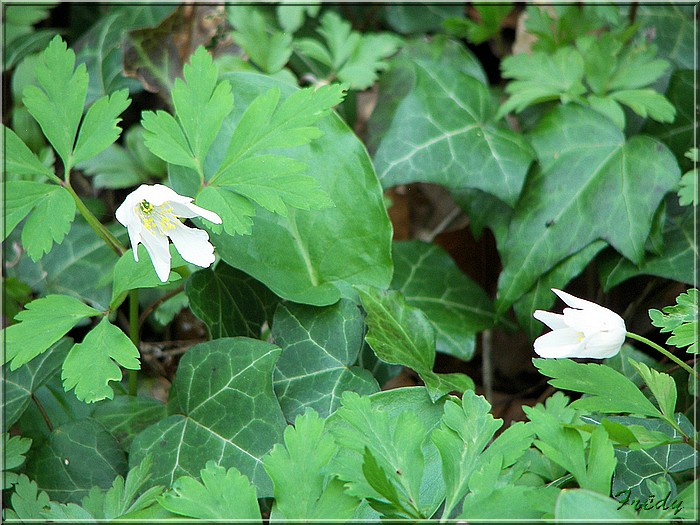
49 222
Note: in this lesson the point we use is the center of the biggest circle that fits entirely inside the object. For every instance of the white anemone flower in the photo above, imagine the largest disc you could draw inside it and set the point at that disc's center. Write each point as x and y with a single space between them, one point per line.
584 330
152 214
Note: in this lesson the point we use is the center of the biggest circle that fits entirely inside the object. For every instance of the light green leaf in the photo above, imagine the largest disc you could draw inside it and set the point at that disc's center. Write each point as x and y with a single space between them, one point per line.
319 347
624 360
590 506
680 319
49 222
402 334
646 102
43 322
99 128
588 174
236 211
609 391
303 488
601 462
456 306
24 382
13 454
76 457
130 275
440 126
21 197
490 18
92 364
267 47
166 139
57 103
222 494
20 160
223 406
663 386
27 501
291 15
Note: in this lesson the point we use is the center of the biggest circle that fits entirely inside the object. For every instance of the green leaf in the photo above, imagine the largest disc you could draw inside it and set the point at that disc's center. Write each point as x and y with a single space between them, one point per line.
402 334
223 406
441 128
49 222
309 256
303 490
76 456
625 359
222 494
609 391
540 77
268 48
587 505
21 197
130 275
456 306
291 15
27 501
662 386
92 364
490 18
14 449
646 102
235 210
461 440
319 347
680 319
57 103
419 18
43 322
242 305
587 176
601 462
671 29
24 382
127 416
166 139
20 160
99 128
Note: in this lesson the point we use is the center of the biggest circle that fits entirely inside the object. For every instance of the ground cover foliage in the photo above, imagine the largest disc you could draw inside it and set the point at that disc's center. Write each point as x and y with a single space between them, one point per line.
342 359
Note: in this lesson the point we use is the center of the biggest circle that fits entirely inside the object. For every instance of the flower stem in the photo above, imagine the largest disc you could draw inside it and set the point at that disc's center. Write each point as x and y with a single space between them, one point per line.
665 352
95 224
134 336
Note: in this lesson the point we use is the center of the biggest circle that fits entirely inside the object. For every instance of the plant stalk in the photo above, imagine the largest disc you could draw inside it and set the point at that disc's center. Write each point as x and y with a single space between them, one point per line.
95 224
665 352
42 411
134 336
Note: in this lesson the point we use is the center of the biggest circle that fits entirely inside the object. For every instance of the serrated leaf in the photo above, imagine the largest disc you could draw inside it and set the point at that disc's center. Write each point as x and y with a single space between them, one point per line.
680 319
646 102
76 456
456 306
584 504
99 127
43 322
608 391
20 160
319 348
303 490
441 128
600 463
236 211
130 274
13 454
490 18
27 501
267 47
291 16
22 383
223 407
587 176
402 334
662 386
166 139
242 305
49 222
92 364
623 362
21 197
222 494
57 102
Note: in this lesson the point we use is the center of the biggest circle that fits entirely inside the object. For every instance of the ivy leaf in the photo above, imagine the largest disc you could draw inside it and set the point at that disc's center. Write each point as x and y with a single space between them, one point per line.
201 105
99 128
608 391
127 416
242 306
49 222
57 103
584 178
222 494
680 319
223 406
456 306
20 160
402 334
92 364
319 347
540 77
21 197
14 450
268 48
298 469
43 322
27 502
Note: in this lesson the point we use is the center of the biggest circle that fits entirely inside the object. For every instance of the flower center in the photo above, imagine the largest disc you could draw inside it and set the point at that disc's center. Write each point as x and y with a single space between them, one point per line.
156 218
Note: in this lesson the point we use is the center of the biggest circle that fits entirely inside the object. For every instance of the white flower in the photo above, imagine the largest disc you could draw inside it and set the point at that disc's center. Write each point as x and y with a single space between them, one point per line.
584 330
151 215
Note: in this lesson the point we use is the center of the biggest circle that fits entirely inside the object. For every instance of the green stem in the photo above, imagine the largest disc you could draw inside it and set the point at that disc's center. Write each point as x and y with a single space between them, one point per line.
95 224
134 336
665 352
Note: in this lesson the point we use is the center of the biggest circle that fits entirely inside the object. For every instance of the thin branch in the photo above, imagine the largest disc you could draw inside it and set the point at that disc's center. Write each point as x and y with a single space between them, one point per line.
43 412
149 310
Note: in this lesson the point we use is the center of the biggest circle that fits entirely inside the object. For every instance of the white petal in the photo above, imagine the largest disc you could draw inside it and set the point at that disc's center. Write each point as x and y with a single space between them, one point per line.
552 320
134 230
193 244
574 301
157 247
603 344
559 343
157 194
188 210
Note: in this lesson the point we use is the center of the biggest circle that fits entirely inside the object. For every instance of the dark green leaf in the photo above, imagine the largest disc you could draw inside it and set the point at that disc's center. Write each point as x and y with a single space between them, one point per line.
319 347
671 28
224 408
419 18
127 416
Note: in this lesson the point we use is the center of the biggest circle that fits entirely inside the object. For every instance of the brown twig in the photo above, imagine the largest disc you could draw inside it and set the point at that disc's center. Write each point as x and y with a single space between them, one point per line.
42 411
151 307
